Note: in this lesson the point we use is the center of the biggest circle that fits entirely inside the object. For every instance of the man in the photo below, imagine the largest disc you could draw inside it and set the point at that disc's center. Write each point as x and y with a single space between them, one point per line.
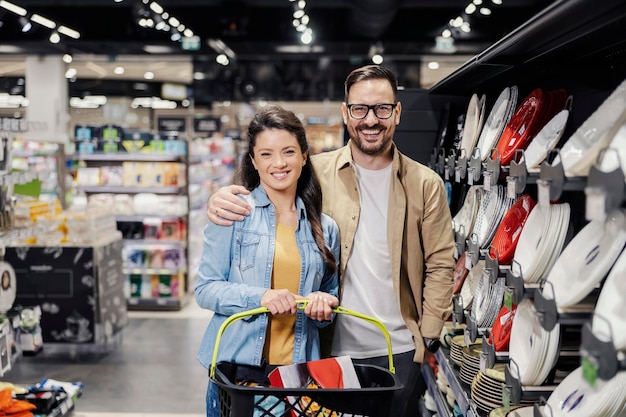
397 249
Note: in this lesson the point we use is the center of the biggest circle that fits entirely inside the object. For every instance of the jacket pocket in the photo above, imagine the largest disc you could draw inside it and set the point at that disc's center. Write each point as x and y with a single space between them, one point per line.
248 246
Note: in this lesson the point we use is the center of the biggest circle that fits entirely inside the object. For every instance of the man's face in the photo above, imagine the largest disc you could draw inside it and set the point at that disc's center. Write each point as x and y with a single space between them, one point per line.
371 135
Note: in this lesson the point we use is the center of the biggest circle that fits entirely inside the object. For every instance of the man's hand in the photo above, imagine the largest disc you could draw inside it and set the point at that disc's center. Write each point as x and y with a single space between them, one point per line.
225 207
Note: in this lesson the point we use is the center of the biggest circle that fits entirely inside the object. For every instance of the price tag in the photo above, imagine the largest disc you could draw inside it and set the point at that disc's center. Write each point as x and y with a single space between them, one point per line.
457 174
508 298
590 370
470 176
544 193
468 261
510 187
483 362
595 204
487 180
506 399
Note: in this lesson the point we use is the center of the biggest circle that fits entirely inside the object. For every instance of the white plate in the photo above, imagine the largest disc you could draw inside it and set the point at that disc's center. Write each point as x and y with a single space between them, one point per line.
615 156
525 323
587 259
495 124
471 123
471 283
581 149
527 251
611 306
546 140
573 397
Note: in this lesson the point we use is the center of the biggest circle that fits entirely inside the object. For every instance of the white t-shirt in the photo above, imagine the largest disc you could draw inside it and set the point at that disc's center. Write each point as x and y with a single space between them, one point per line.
367 283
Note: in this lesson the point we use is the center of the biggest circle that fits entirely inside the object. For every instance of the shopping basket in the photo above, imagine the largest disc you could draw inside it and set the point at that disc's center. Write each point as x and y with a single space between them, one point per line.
373 399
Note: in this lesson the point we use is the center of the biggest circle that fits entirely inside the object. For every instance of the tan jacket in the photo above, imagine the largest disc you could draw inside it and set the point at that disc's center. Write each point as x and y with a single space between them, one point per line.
419 233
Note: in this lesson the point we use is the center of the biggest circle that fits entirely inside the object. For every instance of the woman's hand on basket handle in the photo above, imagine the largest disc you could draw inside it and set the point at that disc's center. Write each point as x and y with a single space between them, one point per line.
280 301
320 306
225 207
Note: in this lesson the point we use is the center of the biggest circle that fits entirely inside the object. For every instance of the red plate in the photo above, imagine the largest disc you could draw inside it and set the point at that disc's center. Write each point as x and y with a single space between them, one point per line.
460 273
522 126
501 331
510 228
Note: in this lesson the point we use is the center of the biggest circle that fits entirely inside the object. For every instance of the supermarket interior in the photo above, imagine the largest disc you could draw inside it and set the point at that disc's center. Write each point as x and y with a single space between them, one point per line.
115 131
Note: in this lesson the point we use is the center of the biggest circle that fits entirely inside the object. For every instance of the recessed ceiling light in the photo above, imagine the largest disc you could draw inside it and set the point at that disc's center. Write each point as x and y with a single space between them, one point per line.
148 75
118 70
157 49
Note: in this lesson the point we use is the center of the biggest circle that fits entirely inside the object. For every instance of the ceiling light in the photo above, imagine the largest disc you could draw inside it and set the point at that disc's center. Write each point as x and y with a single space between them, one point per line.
446 33
305 19
307 37
173 21
71 73
43 21
433 65
26 25
54 37
295 23
118 70
67 58
471 8
496 2
13 8
298 14
377 59
69 32
465 27
222 59
176 36
156 7
188 33
148 75
477 2
486 11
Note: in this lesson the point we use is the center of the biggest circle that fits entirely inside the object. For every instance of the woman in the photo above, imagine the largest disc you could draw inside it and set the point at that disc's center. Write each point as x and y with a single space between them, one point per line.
284 251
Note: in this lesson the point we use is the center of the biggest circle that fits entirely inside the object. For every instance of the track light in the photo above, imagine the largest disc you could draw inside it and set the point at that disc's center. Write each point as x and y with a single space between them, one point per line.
26 25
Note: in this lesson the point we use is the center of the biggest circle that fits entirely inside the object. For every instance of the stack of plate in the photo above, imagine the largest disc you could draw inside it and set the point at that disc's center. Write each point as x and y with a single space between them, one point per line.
460 273
533 349
457 344
492 208
498 118
574 397
487 388
487 301
545 141
581 150
474 119
501 331
471 284
524 124
450 330
466 216
542 240
615 156
586 259
508 232
608 319
471 363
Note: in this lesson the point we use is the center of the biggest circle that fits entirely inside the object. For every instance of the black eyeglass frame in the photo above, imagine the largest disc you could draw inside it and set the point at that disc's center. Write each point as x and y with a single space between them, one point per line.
373 107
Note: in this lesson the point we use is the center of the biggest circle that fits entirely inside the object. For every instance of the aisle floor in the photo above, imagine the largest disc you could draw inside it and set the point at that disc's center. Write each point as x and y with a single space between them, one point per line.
152 372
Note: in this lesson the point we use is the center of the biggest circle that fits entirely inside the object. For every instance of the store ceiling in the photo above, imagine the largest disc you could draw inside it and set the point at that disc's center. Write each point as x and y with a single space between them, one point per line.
262 37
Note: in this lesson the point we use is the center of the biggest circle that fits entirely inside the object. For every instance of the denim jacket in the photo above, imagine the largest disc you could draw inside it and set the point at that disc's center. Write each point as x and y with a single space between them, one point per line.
236 270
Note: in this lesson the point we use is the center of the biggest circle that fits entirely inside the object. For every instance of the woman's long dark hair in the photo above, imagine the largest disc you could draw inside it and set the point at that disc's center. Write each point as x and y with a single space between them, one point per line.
275 117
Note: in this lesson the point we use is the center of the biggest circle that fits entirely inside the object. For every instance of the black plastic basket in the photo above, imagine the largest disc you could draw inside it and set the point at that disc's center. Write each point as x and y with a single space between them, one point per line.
373 399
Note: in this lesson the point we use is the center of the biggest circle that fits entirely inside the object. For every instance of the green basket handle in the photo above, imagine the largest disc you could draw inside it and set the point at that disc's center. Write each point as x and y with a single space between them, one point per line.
301 305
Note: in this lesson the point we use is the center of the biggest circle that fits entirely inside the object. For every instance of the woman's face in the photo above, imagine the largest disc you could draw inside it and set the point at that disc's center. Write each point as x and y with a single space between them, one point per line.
278 160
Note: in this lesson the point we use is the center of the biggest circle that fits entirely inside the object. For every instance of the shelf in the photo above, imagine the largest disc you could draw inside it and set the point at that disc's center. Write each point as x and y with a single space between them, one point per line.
130 190
453 380
155 242
152 271
580 34
431 383
147 157
141 217
154 304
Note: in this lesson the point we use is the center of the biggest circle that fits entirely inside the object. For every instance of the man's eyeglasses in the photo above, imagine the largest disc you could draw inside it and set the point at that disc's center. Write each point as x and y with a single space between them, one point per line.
381 110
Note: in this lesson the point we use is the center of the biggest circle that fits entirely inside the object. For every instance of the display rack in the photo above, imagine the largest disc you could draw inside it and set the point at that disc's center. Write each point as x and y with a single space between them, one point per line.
577 45
152 284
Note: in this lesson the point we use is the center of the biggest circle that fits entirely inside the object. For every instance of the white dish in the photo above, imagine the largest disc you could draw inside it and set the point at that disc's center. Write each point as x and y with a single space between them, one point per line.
495 124
611 306
615 156
546 140
574 397
587 259
527 251
471 124
522 343
581 149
